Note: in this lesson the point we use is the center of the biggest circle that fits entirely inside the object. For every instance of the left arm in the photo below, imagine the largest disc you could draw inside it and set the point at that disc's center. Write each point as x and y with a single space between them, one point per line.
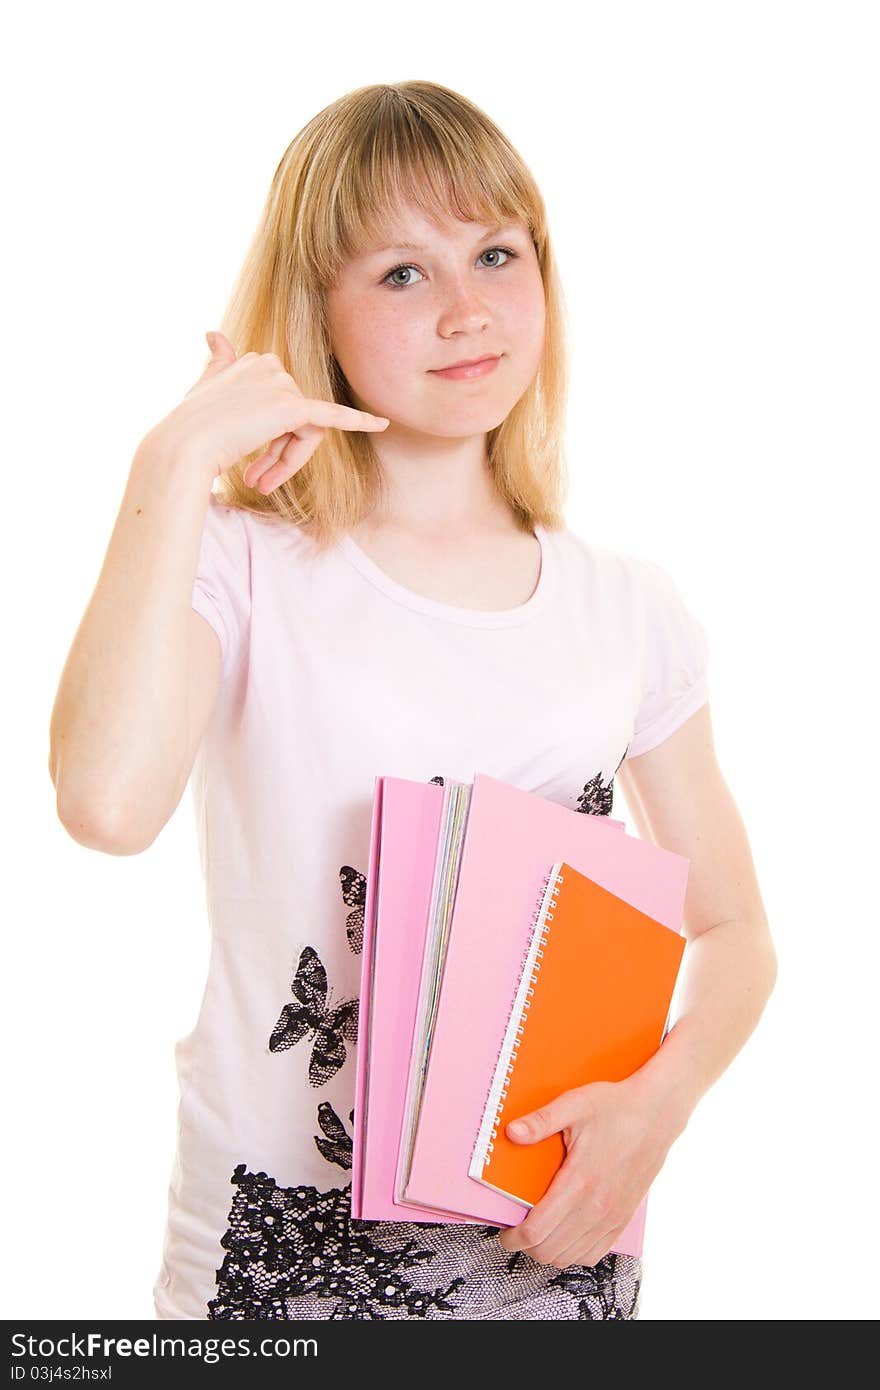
680 800
617 1135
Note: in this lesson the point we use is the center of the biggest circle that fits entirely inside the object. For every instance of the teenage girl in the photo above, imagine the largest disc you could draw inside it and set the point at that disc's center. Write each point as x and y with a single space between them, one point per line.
343 555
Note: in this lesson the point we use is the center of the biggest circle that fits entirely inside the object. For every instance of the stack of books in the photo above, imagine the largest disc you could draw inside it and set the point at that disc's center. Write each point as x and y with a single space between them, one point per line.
513 949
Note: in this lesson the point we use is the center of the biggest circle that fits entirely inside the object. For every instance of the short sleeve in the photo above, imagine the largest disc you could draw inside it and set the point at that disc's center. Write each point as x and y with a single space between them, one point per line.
675 660
221 590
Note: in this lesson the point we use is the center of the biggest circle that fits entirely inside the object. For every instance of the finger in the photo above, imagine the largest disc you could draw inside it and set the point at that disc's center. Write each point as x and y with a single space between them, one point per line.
331 414
256 471
557 1211
222 351
551 1250
294 455
257 467
572 1226
589 1251
222 355
559 1217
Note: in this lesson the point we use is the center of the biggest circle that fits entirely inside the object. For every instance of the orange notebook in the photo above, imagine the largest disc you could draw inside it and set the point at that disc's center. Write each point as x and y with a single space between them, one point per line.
592 1005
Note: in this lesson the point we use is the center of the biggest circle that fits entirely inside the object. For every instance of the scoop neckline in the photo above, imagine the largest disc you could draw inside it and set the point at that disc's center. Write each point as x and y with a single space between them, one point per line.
470 617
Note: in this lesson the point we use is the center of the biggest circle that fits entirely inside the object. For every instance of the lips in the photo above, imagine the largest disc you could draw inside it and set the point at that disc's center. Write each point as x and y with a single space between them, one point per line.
475 370
468 362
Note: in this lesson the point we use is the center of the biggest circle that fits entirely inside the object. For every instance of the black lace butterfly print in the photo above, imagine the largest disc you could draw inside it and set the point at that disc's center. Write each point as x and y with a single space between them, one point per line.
337 1147
354 895
310 1014
596 799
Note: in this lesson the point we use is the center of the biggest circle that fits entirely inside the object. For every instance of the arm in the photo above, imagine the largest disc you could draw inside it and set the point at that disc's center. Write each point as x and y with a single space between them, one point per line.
679 799
143 671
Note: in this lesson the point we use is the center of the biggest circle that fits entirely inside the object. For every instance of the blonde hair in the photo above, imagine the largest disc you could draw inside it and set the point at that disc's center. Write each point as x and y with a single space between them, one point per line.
340 181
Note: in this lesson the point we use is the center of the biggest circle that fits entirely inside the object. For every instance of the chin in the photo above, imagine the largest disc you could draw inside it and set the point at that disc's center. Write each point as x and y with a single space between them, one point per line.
456 429
451 423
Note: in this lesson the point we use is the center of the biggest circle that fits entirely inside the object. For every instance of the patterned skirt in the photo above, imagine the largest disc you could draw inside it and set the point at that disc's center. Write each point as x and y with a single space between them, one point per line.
296 1253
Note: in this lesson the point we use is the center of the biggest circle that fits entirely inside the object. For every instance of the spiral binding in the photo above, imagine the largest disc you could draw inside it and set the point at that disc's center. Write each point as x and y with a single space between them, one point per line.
556 879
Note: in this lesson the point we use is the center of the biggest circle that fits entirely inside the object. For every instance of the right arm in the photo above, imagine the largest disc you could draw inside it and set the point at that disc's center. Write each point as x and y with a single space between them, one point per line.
143 673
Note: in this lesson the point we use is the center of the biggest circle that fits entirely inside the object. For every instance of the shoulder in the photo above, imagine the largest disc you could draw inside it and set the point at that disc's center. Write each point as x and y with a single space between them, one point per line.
244 529
613 574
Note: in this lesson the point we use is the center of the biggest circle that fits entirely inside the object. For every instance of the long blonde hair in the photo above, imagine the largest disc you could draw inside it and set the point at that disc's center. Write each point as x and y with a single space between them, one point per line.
341 179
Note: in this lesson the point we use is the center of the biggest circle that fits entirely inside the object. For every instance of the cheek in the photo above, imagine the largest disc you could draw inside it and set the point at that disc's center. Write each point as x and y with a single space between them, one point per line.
379 341
533 309
523 326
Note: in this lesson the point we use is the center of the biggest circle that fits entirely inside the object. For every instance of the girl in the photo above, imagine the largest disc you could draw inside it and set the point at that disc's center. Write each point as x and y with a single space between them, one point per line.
383 582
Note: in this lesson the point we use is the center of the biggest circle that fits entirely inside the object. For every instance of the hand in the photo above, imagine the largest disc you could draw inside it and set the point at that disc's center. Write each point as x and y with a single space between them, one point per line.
251 404
616 1138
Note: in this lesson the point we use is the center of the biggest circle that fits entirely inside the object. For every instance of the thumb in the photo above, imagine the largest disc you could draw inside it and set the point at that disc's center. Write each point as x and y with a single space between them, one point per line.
538 1124
222 351
222 356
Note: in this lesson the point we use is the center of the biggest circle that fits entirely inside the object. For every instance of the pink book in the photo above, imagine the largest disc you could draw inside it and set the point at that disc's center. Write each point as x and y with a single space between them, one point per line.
513 837
405 856
404 837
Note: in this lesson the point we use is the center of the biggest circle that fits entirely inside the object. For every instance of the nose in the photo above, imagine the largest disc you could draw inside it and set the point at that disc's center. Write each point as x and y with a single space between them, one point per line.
464 312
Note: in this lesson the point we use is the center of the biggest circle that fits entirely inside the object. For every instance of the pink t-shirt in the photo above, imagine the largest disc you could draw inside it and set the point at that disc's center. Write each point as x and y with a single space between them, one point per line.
332 674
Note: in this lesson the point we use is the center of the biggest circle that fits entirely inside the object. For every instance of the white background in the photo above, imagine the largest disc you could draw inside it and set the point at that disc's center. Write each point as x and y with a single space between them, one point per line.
710 172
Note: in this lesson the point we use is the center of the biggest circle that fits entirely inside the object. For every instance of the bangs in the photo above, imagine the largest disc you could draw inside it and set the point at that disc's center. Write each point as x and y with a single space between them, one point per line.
404 157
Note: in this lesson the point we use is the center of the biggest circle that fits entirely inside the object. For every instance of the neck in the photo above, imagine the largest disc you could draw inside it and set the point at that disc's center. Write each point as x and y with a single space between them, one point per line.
436 485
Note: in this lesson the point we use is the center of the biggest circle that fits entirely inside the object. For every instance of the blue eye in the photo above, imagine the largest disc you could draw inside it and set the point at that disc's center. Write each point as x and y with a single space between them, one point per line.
399 286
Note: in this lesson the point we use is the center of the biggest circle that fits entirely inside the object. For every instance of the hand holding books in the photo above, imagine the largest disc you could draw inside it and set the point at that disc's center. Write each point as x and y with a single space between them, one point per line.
616 1143
591 1008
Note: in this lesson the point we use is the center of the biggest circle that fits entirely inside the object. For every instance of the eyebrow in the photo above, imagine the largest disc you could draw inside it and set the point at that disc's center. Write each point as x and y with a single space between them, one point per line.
414 246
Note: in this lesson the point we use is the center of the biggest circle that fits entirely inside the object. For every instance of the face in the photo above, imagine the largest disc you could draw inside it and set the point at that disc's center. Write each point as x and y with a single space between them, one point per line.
459 291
